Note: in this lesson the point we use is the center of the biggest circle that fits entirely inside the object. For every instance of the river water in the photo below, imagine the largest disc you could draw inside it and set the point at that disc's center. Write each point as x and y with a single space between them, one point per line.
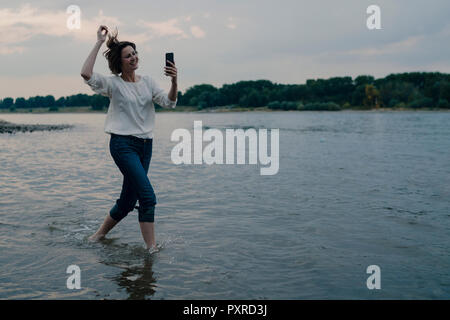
354 189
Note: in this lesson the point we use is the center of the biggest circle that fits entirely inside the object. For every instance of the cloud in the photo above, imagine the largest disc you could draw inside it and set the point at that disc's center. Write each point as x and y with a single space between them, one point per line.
231 24
390 48
22 24
412 50
164 29
197 32
11 50
172 28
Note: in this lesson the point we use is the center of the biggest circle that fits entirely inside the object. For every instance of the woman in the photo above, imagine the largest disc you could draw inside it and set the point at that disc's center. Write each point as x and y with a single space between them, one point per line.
130 122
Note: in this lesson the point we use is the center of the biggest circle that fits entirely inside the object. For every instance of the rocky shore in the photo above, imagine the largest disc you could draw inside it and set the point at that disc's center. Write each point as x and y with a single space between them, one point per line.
9 127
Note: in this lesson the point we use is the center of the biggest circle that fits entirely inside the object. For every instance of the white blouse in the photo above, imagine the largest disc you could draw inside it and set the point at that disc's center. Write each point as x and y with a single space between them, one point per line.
131 110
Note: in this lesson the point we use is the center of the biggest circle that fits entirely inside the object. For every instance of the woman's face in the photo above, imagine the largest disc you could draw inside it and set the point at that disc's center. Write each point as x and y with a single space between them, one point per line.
129 59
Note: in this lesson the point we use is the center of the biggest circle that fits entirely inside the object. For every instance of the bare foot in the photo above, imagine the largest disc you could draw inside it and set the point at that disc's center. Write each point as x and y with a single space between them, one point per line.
96 237
153 249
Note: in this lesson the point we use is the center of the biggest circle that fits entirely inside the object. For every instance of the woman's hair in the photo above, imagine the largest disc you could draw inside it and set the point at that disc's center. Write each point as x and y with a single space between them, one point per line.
114 52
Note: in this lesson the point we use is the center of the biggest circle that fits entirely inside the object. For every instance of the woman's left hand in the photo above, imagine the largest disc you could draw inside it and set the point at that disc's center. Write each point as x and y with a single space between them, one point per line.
171 71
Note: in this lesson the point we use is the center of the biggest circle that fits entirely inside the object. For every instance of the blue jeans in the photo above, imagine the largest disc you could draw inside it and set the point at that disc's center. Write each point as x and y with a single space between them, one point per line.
132 156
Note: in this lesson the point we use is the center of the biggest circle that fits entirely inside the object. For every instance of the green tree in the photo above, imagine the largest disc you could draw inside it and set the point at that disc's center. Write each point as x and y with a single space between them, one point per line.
396 90
444 90
363 80
372 96
252 99
20 103
195 92
61 102
443 103
423 102
48 101
99 102
78 100
205 99
359 95
7 103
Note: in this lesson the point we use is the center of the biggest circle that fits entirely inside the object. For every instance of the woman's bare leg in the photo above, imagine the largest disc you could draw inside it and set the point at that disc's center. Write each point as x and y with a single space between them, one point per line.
148 233
107 225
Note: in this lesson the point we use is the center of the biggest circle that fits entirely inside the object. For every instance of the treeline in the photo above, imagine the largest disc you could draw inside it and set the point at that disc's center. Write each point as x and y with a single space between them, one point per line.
96 101
406 90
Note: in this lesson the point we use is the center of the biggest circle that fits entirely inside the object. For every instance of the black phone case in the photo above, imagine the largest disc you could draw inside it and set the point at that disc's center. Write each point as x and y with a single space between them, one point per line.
169 56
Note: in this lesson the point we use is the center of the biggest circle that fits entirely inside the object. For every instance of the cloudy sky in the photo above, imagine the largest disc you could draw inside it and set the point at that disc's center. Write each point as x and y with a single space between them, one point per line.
221 41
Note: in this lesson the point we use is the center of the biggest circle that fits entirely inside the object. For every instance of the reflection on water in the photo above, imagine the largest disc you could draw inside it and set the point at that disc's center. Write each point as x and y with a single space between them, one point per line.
138 281
353 189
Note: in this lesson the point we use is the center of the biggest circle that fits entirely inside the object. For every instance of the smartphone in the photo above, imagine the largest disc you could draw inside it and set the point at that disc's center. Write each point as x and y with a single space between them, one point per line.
169 56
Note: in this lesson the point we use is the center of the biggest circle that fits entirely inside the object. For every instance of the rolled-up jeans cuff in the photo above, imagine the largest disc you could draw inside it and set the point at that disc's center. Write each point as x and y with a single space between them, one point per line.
116 213
147 215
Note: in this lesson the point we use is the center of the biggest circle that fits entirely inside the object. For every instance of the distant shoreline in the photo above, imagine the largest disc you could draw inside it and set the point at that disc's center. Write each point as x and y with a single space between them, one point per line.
9 127
209 110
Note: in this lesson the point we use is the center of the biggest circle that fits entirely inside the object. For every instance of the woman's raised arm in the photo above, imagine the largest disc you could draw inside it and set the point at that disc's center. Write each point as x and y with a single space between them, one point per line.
88 66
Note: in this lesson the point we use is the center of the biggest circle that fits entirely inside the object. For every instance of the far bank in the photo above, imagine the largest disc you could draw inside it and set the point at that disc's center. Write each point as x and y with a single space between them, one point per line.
88 109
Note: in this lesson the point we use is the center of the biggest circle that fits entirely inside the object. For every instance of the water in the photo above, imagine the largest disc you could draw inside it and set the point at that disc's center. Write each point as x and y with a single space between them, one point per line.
354 189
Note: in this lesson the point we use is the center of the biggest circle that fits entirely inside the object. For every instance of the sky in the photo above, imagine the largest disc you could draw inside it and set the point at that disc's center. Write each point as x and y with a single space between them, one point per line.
220 41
